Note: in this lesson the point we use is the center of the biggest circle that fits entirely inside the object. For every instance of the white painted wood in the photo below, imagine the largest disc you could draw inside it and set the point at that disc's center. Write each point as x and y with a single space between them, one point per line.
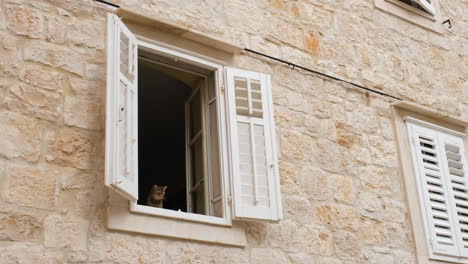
427 5
121 110
455 165
433 126
254 176
433 190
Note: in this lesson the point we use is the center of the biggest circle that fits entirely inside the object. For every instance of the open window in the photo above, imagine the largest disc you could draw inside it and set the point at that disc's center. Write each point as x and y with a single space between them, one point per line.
424 5
187 138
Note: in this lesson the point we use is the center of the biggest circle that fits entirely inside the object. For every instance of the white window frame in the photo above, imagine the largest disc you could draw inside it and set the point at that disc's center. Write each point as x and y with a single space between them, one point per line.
216 66
434 120
412 14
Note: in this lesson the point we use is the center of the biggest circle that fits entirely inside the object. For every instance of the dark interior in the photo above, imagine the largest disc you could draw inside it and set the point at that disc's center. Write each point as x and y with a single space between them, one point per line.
161 132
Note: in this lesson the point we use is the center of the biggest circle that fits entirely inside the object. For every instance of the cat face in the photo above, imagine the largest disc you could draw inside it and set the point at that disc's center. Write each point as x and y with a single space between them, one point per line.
157 192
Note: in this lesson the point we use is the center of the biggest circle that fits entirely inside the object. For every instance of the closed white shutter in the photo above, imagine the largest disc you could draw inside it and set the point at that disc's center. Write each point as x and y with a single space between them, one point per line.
455 169
255 176
433 190
121 109
427 5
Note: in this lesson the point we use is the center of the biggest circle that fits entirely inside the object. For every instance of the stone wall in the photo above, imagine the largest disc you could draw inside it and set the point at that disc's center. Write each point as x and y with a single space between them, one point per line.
342 192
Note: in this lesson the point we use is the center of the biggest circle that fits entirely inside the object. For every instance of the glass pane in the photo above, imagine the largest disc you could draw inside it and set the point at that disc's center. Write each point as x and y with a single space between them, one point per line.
214 160
198 200
195 115
197 161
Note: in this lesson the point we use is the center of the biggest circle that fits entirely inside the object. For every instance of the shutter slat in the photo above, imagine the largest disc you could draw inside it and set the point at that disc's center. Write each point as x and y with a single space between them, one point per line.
255 177
426 5
433 188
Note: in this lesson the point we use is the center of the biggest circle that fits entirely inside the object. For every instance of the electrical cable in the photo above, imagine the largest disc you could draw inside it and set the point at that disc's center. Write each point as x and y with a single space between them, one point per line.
290 64
293 65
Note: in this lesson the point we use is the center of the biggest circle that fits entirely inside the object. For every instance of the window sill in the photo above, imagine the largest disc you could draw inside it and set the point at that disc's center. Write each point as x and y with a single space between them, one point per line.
121 218
412 15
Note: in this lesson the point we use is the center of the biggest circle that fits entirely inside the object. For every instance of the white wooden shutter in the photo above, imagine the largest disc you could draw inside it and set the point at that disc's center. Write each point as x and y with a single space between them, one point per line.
255 176
427 5
433 191
121 109
455 169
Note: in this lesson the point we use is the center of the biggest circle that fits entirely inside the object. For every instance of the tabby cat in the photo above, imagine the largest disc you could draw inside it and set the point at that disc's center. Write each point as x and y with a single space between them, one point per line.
156 196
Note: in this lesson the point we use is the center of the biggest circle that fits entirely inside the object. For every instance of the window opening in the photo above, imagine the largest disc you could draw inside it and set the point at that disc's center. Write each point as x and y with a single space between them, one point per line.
178 135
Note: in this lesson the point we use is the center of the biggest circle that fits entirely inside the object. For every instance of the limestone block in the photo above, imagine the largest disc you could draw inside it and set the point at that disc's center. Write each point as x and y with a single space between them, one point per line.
372 257
268 255
289 178
33 186
43 77
344 189
20 136
69 147
29 99
57 29
87 89
375 179
370 233
337 216
82 113
65 231
20 227
56 56
371 206
25 253
9 63
8 41
25 21
301 258
316 183
394 235
75 179
346 245
295 146
334 158
87 34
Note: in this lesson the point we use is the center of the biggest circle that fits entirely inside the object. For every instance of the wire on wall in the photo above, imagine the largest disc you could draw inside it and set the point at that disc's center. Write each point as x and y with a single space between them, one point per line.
293 66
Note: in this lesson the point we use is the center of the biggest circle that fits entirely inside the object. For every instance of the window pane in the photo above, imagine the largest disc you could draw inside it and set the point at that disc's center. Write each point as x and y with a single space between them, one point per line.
197 161
195 115
198 200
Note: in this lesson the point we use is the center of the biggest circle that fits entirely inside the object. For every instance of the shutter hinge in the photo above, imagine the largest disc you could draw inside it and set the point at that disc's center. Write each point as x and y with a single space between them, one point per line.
222 89
229 200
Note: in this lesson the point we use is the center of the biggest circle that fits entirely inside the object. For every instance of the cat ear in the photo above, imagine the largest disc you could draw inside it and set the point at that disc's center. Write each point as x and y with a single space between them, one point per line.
164 187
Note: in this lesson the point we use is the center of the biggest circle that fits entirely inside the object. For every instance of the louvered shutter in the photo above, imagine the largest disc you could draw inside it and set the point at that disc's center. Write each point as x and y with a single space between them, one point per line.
255 175
427 5
121 109
455 169
433 191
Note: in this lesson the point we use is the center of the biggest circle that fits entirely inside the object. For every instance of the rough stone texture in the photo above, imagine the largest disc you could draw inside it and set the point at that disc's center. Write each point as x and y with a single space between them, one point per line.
70 147
20 137
42 103
34 186
343 199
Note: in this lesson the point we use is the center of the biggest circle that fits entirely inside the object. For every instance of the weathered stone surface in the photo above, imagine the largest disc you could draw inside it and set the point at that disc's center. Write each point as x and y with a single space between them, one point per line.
347 245
316 184
343 189
25 21
334 158
82 113
34 186
337 216
42 103
43 77
20 136
56 56
87 89
65 231
87 34
268 255
19 227
69 147
57 29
